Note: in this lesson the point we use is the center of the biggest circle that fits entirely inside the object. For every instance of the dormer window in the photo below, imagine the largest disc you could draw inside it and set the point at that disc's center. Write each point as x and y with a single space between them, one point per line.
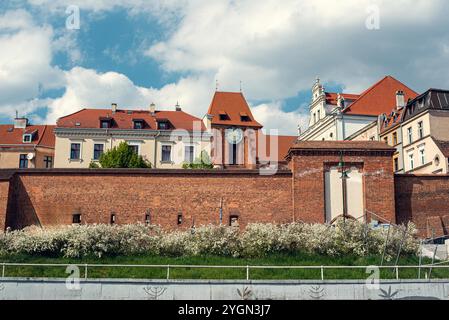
244 117
138 124
27 138
163 125
105 124
223 115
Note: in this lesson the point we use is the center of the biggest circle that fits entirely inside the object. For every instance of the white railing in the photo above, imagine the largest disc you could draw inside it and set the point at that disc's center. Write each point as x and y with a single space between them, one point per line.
168 267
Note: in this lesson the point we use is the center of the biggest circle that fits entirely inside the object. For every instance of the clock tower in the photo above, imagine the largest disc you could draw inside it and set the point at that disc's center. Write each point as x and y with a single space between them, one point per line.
234 131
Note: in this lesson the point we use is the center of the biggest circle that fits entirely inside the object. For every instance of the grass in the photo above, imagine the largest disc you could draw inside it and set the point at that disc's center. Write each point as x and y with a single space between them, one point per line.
193 273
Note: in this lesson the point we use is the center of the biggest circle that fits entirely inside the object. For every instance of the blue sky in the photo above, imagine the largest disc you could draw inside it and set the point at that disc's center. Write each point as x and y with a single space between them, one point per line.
135 52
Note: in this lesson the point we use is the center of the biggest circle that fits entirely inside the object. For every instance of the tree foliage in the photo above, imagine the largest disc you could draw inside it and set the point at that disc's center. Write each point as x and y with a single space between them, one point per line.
121 156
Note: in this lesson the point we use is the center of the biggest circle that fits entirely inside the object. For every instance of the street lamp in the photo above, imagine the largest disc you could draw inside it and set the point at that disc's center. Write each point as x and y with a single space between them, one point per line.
344 176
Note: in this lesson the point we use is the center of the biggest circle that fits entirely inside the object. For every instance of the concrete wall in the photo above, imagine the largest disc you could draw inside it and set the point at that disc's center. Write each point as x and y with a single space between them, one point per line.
423 199
52 197
46 289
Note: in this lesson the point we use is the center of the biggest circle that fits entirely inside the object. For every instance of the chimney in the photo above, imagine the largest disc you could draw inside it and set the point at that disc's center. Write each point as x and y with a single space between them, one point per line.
20 123
152 108
178 107
400 99
114 107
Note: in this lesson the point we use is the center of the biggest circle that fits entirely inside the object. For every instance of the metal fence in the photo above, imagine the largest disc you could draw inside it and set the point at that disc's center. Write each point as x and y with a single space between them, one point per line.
394 269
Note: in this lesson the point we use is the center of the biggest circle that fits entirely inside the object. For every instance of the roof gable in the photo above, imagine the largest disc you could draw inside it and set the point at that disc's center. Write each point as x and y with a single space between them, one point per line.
234 105
379 98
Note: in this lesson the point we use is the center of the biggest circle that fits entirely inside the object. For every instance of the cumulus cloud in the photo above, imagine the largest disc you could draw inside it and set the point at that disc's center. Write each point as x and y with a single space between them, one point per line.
86 88
25 61
276 48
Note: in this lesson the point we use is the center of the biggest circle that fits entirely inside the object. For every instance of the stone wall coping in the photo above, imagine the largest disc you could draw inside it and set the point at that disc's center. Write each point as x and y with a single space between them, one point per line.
7 173
222 282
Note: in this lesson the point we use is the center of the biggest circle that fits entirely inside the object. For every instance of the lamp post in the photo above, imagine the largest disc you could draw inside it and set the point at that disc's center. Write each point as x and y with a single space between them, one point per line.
344 176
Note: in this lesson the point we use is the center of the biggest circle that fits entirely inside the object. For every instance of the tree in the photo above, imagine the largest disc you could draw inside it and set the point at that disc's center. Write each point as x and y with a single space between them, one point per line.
121 156
202 162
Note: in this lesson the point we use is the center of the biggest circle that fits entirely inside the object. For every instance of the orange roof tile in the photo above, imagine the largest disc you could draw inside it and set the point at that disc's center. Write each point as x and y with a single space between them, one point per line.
233 104
379 98
123 119
43 137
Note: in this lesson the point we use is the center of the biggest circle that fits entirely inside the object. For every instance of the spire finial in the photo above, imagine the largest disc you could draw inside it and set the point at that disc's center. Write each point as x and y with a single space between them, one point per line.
240 85
216 85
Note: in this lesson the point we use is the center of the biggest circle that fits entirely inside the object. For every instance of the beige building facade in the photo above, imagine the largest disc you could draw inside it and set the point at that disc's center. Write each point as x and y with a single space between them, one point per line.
166 139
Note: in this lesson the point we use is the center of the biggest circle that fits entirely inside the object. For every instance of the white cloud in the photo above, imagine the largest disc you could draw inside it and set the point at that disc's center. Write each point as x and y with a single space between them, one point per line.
273 118
276 48
25 60
86 88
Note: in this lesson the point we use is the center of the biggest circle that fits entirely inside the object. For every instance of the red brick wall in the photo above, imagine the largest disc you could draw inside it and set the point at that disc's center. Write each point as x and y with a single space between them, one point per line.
50 198
4 194
423 199
308 183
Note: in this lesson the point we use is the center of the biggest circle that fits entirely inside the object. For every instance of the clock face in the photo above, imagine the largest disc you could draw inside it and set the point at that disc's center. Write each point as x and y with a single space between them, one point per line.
234 136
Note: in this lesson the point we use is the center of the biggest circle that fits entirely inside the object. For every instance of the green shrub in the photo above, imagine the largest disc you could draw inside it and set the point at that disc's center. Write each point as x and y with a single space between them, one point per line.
257 240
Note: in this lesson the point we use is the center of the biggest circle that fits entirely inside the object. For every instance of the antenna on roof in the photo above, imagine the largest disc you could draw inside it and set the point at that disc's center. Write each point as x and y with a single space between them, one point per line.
17 114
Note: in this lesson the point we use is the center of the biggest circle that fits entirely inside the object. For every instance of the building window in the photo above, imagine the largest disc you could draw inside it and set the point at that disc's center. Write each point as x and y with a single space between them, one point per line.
422 156
372 138
409 134
98 150
27 138
386 140
411 161
223 116
162 125
319 115
138 124
147 218
166 153
105 124
134 148
188 154
420 129
112 221
23 161
76 218
179 220
48 160
234 221
245 118
396 164
75 153
395 138
437 161
314 118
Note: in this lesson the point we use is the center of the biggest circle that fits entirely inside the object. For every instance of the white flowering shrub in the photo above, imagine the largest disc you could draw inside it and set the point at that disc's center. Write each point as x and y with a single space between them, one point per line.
343 238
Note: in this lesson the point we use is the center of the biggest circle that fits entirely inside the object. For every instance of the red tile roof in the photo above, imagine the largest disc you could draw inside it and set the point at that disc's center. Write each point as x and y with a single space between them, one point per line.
379 98
233 104
43 137
123 119
393 119
284 144
331 97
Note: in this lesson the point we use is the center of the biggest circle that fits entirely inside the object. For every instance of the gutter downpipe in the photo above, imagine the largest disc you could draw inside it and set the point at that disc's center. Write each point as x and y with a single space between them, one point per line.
155 148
